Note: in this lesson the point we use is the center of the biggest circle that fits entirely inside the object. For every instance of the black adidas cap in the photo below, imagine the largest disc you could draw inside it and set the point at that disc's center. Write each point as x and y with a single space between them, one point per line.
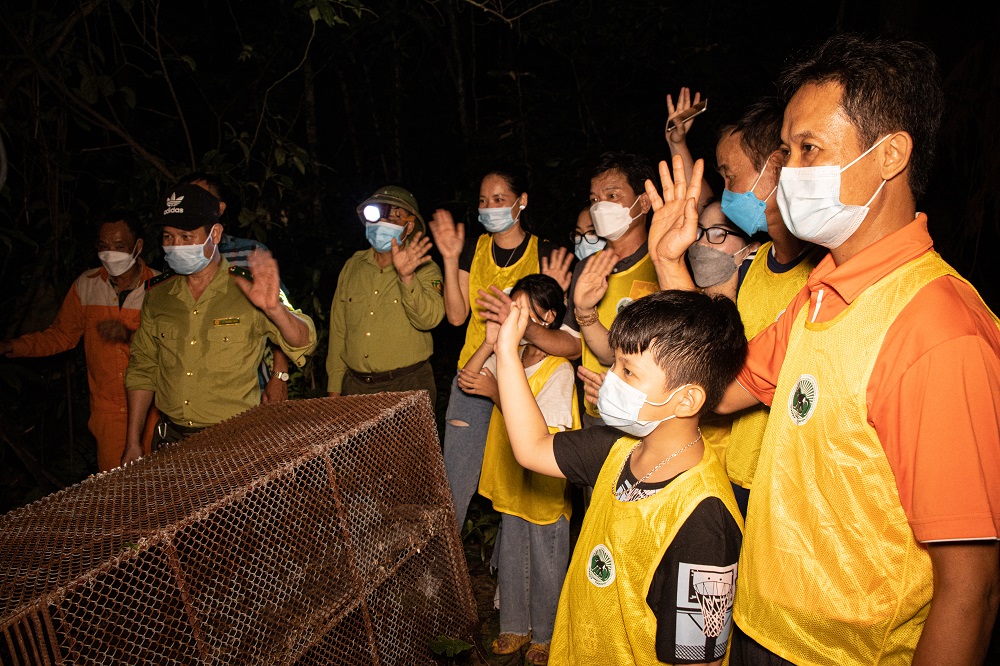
189 207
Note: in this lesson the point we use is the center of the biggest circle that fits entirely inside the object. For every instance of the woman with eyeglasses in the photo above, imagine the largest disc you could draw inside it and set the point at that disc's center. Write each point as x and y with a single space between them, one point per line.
585 240
722 253
476 278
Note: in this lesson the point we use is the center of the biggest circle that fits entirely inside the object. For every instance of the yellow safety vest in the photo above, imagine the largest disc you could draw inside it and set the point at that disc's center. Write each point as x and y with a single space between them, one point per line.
483 273
763 296
623 288
537 498
603 617
830 572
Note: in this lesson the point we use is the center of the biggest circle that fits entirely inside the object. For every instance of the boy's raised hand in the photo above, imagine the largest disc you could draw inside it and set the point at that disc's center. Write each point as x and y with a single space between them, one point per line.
512 330
675 217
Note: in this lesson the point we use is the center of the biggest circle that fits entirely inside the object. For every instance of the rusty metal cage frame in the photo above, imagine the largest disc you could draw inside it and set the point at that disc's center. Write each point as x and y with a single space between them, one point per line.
308 532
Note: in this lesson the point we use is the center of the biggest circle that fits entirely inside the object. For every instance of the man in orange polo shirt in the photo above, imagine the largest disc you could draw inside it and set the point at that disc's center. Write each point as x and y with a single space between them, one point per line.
103 307
871 534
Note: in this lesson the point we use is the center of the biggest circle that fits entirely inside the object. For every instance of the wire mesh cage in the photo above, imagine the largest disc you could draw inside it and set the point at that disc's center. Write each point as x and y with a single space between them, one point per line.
306 532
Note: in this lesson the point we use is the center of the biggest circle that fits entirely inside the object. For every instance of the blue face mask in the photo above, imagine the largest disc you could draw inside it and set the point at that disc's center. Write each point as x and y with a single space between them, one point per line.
619 405
583 249
188 259
497 220
380 235
745 210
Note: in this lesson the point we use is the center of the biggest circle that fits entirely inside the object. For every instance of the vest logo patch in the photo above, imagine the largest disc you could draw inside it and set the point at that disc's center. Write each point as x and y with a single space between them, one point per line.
622 304
601 566
802 399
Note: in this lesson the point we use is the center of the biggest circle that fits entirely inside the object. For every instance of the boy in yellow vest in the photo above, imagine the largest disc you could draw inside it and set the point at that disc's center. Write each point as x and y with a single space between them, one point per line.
873 525
653 573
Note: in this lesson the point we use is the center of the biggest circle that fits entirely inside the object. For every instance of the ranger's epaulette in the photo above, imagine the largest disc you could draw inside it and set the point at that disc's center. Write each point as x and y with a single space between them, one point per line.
240 271
159 279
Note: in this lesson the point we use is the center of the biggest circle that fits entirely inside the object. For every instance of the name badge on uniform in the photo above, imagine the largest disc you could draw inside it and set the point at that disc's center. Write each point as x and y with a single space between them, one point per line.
228 321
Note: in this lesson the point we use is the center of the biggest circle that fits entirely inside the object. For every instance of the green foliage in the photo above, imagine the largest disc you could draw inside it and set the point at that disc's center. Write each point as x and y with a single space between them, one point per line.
447 646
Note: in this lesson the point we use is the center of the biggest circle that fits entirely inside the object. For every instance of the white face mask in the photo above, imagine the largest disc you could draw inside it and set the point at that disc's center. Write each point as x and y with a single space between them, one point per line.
189 259
619 405
809 201
612 220
118 263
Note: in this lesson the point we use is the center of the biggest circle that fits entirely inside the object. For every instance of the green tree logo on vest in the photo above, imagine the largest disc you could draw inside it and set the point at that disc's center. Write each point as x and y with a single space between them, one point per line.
802 399
601 566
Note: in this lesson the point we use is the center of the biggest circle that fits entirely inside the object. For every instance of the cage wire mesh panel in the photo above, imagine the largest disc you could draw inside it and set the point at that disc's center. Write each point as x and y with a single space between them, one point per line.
306 532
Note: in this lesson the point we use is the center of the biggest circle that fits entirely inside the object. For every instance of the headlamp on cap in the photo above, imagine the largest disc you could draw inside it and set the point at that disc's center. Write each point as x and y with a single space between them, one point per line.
374 212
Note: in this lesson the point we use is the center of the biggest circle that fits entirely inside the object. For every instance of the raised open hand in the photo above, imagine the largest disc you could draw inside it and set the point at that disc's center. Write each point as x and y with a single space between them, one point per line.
593 281
557 266
448 236
265 289
494 304
675 217
409 258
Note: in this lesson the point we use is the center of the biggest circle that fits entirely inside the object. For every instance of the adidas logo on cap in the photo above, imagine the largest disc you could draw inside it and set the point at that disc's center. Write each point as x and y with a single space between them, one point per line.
173 201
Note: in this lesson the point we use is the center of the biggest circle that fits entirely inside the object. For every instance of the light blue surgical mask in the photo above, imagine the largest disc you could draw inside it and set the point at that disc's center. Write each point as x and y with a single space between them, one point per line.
380 235
189 259
619 405
498 220
583 248
745 210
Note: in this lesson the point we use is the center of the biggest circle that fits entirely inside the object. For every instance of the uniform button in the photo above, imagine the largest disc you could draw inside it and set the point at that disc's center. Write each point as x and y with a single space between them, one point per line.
189 374
366 355
372 312
195 312
163 335
194 342
225 338
395 300
376 291
187 402
190 423
368 333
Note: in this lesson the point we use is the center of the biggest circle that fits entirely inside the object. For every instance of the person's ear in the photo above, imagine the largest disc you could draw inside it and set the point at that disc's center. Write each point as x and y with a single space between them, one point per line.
692 400
548 318
895 155
216 233
644 204
523 203
222 208
138 247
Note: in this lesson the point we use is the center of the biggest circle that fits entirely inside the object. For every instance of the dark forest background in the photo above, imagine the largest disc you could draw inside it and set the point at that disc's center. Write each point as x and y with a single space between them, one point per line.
306 106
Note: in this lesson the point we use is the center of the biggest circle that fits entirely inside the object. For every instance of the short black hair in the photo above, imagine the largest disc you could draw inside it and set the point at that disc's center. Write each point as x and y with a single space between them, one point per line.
889 85
545 292
129 217
636 169
759 128
213 180
694 338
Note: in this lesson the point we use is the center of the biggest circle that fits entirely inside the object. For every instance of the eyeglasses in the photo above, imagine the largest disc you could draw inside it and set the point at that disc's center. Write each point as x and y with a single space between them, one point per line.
588 236
717 235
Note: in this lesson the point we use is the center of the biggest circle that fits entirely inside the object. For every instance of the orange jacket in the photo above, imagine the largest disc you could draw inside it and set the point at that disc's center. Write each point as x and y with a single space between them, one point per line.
90 301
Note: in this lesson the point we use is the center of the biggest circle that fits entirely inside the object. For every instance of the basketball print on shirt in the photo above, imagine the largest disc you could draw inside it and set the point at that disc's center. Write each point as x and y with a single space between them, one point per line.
704 610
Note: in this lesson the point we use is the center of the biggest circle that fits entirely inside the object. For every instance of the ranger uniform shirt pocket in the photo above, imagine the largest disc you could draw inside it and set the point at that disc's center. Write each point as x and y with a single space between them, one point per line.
166 335
226 345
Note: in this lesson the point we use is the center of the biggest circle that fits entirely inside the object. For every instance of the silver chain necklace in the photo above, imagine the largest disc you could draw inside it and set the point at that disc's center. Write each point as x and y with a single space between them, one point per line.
631 493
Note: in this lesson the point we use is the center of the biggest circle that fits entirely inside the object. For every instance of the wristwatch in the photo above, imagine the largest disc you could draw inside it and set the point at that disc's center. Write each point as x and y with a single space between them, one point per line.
283 376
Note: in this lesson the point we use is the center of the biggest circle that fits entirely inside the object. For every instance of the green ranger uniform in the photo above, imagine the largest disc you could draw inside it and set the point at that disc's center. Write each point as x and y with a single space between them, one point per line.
201 357
377 323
